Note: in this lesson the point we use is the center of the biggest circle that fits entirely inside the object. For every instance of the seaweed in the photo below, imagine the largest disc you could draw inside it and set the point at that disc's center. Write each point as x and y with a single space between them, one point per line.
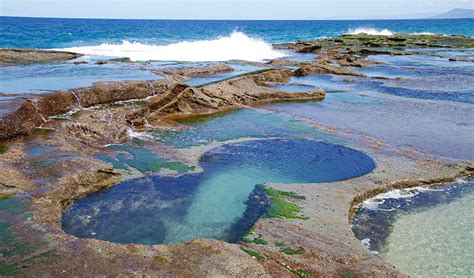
282 208
259 257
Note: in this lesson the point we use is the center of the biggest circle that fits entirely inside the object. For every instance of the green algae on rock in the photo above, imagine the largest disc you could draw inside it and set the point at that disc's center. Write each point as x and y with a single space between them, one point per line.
290 251
259 257
3 148
282 208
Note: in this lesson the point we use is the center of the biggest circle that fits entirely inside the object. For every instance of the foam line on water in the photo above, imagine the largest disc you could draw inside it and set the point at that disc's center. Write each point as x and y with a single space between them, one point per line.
370 31
236 46
379 32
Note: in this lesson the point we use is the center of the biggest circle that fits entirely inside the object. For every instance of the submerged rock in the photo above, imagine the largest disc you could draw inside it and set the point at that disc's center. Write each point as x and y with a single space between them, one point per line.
320 68
81 63
183 74
194 71
461 59
20 56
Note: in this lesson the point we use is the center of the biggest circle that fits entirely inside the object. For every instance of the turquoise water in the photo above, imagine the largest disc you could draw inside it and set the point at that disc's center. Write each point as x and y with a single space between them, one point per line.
424 232
210 204
245 123
137 156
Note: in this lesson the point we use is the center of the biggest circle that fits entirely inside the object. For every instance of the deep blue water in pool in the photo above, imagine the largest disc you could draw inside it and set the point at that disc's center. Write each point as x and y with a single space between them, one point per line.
210 204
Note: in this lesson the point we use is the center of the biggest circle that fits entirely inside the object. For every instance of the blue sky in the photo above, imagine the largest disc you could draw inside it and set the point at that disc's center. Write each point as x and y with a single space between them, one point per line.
231 9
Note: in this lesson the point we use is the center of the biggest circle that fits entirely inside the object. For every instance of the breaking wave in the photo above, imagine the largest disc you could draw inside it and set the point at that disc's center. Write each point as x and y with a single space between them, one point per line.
379 32
370 31
236 46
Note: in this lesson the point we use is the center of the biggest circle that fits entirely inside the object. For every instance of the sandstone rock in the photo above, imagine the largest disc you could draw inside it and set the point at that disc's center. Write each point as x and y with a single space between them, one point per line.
103 93
319 68
183 74
273 76
98 126
309 49
21 118
230 94
55 103
194 71
16 56
287 63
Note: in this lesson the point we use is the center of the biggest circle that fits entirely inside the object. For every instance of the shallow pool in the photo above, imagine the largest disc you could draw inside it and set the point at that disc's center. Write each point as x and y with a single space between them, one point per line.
424 232
210 204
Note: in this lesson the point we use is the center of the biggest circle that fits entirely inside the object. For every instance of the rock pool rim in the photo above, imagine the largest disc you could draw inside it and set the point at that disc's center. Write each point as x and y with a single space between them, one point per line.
258 189
467 172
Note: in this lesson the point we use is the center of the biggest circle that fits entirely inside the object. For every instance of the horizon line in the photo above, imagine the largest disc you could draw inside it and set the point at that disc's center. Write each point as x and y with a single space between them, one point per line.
235 19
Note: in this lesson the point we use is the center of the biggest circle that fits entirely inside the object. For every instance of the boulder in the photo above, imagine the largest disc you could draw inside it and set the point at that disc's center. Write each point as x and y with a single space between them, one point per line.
21 118
55 103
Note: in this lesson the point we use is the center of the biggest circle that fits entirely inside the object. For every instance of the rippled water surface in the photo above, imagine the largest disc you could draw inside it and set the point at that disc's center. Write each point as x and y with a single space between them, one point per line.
424 232
212 203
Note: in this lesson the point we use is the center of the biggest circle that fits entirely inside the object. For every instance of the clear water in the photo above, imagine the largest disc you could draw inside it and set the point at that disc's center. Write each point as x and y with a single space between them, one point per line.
424 232
423 77
294 88
245 123
61 76
428 112
138 156
174 209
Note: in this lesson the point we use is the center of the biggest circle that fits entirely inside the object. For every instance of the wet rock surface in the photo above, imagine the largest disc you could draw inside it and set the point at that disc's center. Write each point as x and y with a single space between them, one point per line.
20 56
20 118
185 73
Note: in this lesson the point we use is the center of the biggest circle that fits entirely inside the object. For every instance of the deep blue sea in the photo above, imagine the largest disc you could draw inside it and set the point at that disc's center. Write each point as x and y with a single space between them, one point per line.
63 33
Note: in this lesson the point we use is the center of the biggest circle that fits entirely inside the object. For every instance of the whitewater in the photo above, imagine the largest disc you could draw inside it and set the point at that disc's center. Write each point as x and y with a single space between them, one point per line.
236 46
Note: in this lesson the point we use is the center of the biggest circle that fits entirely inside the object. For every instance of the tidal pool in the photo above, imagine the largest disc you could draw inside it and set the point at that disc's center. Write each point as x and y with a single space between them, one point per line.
216 203
135 155
437 128
424 232
38 78
245 123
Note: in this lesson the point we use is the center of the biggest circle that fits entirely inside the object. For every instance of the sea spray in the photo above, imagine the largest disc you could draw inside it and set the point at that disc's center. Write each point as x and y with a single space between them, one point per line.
370 31
236 46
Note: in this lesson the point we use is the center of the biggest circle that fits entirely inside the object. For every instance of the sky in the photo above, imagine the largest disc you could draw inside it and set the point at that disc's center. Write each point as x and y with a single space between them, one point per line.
231 9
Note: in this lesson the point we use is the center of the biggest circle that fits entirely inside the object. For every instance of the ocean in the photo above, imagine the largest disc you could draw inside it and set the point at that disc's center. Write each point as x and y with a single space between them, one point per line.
210 40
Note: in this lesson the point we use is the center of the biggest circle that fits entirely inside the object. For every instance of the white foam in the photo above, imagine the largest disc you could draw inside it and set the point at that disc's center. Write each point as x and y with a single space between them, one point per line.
370 31
236 46
423 33
140 135
375 202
